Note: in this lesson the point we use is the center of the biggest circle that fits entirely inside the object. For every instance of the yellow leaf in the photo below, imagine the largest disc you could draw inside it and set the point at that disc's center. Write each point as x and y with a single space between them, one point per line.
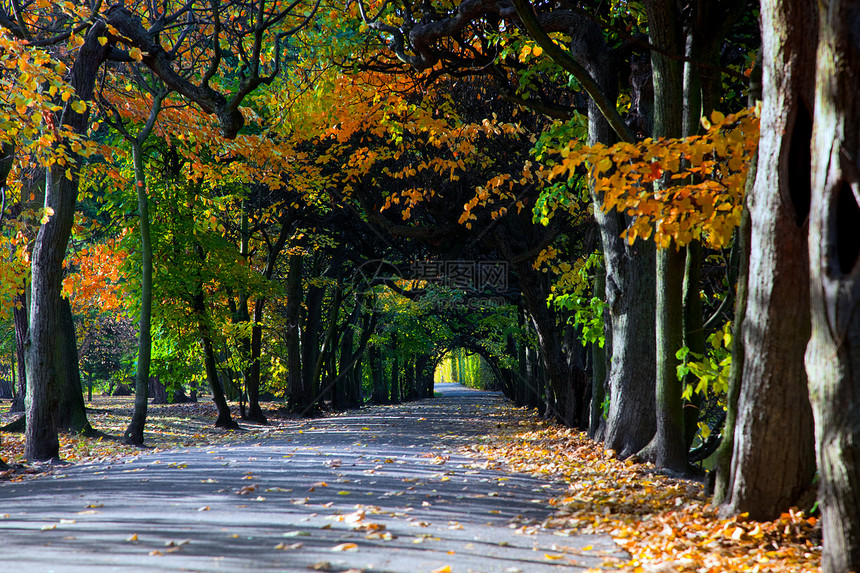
537 50
443 569
345 547
717 118
552 557
604 165
102 40
79 106
136 54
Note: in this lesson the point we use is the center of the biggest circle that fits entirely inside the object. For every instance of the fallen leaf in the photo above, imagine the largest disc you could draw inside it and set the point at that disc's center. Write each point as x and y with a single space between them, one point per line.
384 535
345 547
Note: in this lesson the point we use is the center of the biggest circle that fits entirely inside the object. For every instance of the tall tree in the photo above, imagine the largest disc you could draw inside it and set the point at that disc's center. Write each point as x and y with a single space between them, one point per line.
833 355
773 427
119 33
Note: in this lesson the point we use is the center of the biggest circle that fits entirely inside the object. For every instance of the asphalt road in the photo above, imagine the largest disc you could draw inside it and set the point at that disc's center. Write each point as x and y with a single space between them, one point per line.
379 490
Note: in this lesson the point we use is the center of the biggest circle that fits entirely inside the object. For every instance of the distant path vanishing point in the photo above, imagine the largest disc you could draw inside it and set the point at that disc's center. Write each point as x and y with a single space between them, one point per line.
381 489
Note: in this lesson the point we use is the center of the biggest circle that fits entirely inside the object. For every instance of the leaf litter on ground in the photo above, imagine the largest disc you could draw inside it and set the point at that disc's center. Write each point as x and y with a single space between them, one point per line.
666 525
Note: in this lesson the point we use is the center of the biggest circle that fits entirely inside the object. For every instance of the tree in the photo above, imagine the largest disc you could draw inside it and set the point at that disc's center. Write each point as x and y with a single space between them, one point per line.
118 33
134 432
833 354
774 420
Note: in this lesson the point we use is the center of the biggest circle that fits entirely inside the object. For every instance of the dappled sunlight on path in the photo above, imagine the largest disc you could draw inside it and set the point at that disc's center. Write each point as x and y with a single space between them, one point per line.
387 488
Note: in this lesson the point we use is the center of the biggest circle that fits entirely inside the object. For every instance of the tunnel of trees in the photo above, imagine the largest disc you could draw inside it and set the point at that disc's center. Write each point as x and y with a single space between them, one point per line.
318 203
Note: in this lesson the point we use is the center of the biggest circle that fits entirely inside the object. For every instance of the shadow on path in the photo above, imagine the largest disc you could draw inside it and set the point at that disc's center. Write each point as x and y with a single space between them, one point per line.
385 483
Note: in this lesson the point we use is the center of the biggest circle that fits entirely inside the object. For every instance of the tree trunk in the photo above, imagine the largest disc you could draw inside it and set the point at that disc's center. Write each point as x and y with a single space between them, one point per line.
740 261
422 373
395 370
693 333
706 26
225 419
379 393
20 317
666 448
629 291
409 380
134 432
772 452
342 394
311 325
252 383
157 391
295 389
327 350
49 250
596 425
255 413
566 382
72 413
833 355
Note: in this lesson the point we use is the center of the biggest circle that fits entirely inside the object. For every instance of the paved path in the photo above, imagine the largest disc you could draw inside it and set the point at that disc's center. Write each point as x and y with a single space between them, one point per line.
384 485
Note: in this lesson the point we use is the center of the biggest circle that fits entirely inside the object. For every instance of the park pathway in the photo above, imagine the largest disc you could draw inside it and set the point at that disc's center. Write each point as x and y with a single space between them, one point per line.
383 489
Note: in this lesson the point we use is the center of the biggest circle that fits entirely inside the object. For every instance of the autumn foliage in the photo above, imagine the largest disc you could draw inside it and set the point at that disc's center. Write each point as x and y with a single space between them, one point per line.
705 177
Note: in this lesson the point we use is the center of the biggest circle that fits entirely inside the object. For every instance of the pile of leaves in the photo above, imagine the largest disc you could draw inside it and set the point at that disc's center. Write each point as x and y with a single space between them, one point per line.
666 525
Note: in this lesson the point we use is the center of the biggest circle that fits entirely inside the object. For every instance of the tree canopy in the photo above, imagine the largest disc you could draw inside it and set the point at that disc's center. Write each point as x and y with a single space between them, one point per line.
322 203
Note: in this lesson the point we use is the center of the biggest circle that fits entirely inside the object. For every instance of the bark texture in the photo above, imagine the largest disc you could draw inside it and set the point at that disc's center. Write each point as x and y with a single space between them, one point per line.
44 348
833 355
71 413
773 459
667 448
629 282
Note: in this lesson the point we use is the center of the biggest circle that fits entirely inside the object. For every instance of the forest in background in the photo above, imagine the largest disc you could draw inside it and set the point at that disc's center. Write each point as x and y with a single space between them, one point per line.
320 201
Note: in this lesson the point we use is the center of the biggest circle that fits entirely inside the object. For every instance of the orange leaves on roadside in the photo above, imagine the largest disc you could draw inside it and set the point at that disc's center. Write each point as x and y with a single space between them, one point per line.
703 179
658 520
